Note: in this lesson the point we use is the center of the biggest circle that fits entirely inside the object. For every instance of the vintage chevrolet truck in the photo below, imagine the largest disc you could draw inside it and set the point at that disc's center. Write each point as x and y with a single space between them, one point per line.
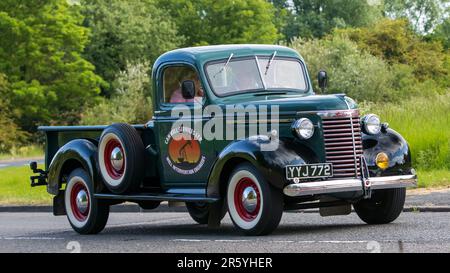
237 129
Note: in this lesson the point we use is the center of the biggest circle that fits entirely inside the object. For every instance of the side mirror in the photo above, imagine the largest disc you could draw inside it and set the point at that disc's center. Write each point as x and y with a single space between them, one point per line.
322 78
188 89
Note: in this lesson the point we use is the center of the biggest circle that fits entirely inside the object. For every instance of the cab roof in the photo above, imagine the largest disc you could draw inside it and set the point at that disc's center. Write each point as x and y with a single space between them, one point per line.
202 54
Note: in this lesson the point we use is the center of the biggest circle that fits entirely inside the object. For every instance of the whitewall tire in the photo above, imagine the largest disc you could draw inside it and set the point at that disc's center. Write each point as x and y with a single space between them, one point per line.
86 215
255 207
121 158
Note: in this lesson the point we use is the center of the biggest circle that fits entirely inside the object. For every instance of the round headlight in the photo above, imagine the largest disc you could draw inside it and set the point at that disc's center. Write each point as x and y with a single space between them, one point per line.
371 124
304 128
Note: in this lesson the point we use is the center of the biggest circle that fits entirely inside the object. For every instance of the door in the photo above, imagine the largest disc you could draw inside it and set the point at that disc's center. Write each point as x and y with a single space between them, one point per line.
185 157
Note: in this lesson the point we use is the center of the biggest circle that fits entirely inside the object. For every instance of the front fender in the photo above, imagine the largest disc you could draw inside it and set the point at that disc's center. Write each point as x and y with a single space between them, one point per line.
75 153
395 146
271 164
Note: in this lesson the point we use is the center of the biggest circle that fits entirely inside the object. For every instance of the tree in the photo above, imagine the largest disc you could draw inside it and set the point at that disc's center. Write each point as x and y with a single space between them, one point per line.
206 22
396 42
131 102
126 31
442 33
40 53
10 134
423 15
316 18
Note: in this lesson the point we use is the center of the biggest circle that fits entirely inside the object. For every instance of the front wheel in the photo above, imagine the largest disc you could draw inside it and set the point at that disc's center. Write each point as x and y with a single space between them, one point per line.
255 207
383 207
86 214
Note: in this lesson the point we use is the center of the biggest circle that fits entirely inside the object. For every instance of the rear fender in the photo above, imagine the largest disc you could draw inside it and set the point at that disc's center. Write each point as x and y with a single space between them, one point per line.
78 153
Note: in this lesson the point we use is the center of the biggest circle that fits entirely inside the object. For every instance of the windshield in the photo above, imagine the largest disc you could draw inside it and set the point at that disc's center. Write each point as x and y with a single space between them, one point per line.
255 74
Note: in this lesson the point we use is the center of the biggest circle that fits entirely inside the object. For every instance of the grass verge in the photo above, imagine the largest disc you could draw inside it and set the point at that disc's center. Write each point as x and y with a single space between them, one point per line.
23 152
15 188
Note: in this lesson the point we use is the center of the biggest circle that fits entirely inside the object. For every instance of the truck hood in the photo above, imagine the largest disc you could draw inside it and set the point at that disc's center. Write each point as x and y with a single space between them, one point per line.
290 104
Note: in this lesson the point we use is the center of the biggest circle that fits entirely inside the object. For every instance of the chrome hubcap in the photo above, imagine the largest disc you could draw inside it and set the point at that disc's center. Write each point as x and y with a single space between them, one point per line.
117 158
82 201
249 199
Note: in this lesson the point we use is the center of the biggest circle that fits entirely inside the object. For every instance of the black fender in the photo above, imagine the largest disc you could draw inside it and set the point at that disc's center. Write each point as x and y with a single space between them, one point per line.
271 164
74 154
395 146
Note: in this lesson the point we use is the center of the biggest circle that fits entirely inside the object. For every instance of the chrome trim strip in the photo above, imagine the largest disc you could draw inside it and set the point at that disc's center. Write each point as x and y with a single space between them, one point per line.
353 139
348 185
332 113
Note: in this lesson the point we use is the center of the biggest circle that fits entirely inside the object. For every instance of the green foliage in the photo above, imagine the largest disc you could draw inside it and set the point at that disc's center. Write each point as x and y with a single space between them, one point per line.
205 22
126 31
423 15
131 102
40 53
316 18
442 34
10 134
424 124
351 71
395 42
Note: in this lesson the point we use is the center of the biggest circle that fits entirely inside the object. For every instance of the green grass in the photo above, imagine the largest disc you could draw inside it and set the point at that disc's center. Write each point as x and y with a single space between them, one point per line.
15 188
425 124
23 152
434 178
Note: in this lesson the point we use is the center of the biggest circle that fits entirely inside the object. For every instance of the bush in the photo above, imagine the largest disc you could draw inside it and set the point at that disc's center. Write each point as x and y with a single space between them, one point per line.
130 104
396 42
352 71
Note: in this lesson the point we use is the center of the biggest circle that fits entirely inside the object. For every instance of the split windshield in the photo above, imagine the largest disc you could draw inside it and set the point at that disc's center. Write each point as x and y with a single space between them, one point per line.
256 74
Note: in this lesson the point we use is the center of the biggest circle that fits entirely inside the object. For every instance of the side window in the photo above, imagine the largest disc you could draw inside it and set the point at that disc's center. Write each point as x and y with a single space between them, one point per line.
173 77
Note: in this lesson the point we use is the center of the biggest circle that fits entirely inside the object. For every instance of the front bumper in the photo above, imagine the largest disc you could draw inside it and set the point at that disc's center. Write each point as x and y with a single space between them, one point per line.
350 185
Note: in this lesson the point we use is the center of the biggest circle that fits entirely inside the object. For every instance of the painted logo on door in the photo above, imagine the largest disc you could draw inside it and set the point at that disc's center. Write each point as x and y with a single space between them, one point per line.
184 154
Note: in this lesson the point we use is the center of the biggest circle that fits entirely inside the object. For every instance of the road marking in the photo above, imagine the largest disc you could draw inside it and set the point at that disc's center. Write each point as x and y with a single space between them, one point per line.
231 241
31 238
286 241
191 240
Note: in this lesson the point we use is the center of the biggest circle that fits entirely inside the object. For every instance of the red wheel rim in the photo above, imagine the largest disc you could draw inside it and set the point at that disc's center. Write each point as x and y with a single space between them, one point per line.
109 147
79 215
246 215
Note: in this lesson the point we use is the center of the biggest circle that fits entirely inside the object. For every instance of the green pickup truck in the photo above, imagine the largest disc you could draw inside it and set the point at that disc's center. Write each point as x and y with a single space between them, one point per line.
237 129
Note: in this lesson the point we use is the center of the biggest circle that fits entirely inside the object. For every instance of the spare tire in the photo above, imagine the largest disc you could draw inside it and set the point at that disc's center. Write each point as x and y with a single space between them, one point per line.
121 158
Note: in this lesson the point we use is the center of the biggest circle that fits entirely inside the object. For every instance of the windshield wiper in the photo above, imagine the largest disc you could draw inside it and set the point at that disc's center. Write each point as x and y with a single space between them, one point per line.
270 61
225 66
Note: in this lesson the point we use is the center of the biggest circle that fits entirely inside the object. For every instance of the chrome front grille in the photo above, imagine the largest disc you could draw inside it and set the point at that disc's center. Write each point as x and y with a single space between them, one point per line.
343 143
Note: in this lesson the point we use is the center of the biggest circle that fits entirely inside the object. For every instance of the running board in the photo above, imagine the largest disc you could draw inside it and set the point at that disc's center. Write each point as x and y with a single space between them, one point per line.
156 197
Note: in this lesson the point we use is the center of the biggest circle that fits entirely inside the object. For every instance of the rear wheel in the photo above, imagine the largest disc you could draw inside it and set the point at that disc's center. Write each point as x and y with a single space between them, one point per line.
255 207
383 207
86 214
121 158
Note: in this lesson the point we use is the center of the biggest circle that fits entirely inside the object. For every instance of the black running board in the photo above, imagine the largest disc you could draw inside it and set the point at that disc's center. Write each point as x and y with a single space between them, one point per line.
156 197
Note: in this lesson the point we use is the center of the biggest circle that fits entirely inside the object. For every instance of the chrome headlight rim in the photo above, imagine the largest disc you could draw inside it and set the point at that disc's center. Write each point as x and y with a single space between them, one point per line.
371 124
304 128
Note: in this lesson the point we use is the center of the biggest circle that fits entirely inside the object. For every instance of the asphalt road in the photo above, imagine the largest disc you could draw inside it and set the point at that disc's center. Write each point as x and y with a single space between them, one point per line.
19 162
176 232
